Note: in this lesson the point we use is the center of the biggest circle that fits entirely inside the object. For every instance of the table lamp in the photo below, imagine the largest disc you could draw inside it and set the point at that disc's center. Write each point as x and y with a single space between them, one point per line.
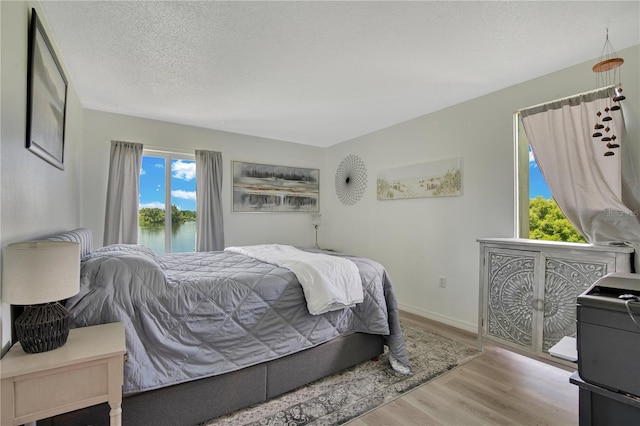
316 220
39 274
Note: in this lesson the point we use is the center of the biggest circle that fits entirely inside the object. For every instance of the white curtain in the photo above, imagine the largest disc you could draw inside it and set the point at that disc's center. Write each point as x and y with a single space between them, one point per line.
598 193
210 227
121 217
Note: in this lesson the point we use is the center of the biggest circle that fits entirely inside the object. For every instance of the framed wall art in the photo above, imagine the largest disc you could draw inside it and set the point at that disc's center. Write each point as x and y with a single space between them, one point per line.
46 97
442 178
267 188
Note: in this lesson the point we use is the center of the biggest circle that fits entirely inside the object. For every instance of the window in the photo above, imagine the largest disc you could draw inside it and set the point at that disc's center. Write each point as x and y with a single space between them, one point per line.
167 226
539 217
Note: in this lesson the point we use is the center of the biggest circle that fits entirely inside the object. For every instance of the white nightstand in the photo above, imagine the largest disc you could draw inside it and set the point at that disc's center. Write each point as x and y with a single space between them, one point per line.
87 370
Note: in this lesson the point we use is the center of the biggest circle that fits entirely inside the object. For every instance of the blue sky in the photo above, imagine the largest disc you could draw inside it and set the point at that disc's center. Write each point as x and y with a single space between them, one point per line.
537 184
152 183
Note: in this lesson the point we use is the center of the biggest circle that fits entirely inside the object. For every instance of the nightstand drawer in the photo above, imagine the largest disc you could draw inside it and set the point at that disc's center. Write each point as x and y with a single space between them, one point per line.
61 390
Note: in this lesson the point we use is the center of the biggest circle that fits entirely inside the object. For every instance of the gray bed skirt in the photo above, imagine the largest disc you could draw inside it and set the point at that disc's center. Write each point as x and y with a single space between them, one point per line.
204 399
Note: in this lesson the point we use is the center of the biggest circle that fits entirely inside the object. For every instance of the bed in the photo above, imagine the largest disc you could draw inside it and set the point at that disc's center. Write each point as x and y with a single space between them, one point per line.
209 333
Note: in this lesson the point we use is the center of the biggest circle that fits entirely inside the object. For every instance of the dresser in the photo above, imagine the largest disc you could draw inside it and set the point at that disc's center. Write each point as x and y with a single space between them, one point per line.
528 289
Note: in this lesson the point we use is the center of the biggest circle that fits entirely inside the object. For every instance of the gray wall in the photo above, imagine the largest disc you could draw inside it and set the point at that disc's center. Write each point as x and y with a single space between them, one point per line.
240 228
420 240
36 198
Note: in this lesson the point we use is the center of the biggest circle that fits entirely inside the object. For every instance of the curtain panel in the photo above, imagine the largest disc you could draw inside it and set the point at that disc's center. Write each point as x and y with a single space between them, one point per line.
121 216
598 194
209 222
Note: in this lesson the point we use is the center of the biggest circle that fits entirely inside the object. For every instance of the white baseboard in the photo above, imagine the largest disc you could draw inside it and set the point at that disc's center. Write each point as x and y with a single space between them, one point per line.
453 322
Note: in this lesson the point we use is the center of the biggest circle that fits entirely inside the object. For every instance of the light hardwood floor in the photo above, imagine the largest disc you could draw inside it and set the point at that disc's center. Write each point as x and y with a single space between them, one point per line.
499 387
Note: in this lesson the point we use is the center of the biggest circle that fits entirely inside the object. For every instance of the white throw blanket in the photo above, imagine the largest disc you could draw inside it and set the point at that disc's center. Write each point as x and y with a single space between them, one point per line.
329 282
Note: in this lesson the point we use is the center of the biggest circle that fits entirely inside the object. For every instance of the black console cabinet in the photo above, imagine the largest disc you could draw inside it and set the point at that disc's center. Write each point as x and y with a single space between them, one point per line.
602 407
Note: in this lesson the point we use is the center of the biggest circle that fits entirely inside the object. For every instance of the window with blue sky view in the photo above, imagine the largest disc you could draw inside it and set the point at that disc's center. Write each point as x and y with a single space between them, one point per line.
177 182
537 184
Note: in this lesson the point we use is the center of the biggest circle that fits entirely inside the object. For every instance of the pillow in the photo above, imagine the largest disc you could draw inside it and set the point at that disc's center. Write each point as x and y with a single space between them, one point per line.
129 249
119 261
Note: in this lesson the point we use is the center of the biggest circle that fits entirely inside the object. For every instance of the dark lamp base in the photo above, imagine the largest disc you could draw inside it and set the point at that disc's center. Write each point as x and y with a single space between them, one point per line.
41 328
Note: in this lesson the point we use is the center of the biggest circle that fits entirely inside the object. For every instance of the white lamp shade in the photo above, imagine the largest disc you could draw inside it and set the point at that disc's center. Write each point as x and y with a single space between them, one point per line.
40 272
316 219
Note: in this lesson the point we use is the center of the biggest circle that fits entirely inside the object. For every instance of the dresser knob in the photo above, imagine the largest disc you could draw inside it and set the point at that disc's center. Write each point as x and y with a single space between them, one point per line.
537 304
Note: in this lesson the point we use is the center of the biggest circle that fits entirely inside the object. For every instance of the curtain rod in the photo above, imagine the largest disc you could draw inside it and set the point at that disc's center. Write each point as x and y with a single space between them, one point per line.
166 149
566 97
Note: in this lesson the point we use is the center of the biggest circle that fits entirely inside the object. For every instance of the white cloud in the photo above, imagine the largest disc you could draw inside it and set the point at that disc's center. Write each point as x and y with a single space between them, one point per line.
183 170
159 165
152 205
185 195
142 172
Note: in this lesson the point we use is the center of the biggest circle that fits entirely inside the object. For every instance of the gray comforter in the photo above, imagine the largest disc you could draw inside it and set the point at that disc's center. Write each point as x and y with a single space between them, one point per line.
195 315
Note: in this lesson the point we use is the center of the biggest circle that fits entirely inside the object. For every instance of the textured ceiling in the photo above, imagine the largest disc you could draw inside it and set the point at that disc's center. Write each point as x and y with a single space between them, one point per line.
318 72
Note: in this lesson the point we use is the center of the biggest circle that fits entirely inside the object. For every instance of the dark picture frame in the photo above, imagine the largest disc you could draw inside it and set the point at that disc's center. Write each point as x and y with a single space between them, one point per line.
46 97
265 188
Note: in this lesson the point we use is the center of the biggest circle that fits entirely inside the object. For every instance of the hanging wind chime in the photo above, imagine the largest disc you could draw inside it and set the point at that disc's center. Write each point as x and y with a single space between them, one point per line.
607 74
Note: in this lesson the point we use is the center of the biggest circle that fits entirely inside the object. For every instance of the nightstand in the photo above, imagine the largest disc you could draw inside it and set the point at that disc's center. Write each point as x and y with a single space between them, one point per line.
87 370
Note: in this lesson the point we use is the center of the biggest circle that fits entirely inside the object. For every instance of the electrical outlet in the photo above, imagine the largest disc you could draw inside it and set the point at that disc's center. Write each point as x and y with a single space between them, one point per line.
443 282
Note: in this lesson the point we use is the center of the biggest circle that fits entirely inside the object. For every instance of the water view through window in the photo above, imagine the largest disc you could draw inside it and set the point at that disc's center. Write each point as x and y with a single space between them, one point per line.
167 227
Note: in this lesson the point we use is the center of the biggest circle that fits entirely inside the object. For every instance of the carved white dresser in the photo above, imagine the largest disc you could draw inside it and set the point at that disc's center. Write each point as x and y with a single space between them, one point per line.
528 289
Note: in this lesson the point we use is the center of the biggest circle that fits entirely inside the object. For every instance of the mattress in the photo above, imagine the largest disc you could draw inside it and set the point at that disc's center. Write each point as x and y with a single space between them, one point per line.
194 315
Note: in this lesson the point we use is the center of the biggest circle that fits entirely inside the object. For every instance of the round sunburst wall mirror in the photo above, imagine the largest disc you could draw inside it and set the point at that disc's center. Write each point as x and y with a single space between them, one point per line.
351 180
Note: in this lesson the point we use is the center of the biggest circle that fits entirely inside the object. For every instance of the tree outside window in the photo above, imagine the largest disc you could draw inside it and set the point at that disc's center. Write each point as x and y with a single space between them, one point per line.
540 218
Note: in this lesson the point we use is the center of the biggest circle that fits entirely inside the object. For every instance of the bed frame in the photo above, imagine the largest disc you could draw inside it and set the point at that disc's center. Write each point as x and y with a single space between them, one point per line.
196 402
200 400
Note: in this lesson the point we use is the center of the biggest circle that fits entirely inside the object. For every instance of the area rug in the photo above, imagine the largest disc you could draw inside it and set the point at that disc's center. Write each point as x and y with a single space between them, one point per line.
336 399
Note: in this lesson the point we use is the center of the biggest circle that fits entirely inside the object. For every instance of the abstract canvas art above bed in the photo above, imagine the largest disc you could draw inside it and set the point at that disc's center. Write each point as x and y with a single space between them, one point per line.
268 188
